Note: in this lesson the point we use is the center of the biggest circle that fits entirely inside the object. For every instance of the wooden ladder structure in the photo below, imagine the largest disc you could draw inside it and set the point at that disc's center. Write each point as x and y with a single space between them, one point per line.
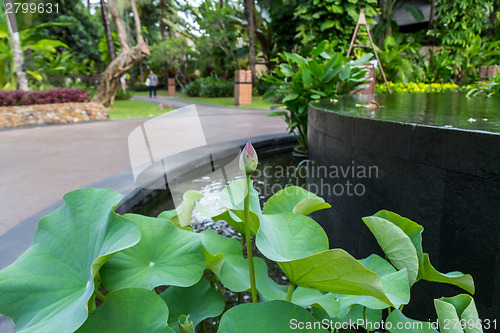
362 20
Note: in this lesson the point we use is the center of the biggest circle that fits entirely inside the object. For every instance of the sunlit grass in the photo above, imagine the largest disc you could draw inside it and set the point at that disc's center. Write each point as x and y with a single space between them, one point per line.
134 109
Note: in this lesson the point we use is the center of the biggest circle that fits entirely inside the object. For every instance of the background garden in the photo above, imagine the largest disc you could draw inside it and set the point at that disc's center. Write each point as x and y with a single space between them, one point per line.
437 45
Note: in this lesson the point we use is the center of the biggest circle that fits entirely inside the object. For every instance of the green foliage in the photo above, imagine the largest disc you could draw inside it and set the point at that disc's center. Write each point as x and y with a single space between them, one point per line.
301 80
209 87
123 95
488 88
331 20
53 285
398 59
178 57
420 87
458 22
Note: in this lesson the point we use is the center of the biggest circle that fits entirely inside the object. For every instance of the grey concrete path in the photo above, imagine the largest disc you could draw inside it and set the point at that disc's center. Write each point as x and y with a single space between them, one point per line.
38 165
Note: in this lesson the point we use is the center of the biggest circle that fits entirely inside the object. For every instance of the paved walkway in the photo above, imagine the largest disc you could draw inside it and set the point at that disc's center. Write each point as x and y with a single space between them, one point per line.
38 165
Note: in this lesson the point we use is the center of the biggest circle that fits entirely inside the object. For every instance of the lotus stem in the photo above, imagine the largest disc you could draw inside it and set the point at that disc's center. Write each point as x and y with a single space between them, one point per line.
248 239
291 288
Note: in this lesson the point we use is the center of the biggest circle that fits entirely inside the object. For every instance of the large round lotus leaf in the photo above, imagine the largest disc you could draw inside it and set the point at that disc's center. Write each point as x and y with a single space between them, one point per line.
225 259
165 255
181 216
397 322
334 271
274 316
396 245
294 199
47 288
288 236
199 302
306 297
129 310
457 310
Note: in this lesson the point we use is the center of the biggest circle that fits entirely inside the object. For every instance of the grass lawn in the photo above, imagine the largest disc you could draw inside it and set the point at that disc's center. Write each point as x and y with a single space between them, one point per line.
134 109
257 102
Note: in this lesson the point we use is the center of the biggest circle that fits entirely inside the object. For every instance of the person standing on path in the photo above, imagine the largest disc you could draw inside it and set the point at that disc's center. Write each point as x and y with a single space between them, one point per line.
153 82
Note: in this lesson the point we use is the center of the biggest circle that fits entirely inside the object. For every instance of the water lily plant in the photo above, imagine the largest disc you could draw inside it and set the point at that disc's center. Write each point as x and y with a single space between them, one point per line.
92 270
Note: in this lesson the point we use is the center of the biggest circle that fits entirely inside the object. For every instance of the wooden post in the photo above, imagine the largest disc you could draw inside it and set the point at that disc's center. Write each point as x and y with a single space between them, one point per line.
243 87
362 20
171 87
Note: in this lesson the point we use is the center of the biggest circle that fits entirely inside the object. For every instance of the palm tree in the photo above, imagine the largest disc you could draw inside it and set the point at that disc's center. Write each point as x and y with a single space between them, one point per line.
251 37
17 50
107 31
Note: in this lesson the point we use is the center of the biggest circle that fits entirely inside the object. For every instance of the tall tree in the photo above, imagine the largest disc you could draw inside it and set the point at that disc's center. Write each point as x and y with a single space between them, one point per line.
17 50
251 37
107 31
128 57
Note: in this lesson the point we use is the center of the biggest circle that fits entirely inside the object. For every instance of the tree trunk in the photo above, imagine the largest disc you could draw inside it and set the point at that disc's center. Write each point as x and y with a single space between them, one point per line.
251 38
107 31
88 5
17 51
221 3
127 58
162 24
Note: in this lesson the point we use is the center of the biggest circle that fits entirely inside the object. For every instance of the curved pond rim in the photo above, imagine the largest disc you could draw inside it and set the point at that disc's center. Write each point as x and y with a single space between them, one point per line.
451 111
264 145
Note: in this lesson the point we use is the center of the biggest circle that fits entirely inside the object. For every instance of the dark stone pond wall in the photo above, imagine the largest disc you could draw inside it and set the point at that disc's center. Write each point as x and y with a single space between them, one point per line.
446 179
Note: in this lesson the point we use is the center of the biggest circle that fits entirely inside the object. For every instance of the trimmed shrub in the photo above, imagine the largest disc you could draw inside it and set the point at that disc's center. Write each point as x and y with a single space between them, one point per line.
123 95
209 87
19 97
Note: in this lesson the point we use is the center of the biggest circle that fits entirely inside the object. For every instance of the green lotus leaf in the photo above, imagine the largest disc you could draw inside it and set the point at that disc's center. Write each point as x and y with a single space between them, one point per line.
429 273
306 297
165 255
225 259
397 322
454 311
233 197
335 271
185 325
412 229
294 199
181 216
396 245
426 270
394 283
47 288
274 316
129 310
353 320
198 302
288 236
235 217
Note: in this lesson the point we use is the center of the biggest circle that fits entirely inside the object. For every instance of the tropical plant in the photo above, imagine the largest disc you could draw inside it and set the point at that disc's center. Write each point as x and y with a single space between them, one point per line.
398 58
488 88
331 20
84 251
300 80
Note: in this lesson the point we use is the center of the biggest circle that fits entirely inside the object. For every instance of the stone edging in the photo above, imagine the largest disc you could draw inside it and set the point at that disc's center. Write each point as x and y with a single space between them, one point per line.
41 114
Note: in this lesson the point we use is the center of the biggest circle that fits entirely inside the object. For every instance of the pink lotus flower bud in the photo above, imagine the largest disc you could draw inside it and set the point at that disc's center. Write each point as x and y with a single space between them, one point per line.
248 159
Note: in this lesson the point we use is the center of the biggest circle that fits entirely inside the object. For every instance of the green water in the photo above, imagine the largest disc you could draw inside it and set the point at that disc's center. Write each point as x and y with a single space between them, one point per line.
436 109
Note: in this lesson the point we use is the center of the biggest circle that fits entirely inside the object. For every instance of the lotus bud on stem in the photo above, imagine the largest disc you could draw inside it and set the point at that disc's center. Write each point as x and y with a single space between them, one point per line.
248 164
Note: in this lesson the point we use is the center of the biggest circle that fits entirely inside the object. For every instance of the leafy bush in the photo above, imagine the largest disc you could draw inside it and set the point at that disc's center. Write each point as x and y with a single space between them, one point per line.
209 87
300 80
84 250
489 88
123 95
141 87
193 88
18 97
420 87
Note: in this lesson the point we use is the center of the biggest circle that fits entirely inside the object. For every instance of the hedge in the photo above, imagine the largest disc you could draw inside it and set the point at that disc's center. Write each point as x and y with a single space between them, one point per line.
19 97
